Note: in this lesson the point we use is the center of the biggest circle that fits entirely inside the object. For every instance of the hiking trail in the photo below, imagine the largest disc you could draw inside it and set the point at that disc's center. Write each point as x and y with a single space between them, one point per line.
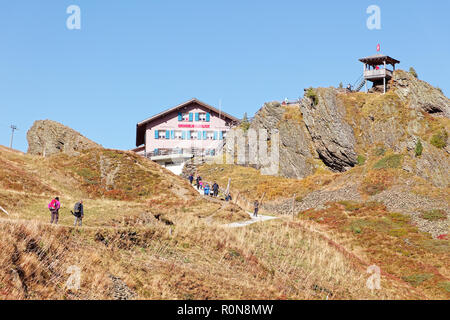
238 224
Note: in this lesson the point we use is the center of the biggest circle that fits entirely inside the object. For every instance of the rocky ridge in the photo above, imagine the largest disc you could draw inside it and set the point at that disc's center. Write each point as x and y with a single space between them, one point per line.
47 137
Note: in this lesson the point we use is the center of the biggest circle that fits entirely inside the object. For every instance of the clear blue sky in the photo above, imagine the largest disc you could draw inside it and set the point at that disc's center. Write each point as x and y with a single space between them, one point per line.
132 58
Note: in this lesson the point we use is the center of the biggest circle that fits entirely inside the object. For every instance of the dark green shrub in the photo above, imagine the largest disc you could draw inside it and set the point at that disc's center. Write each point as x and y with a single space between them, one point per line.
413 72
439 139
419 148
310 93
245 124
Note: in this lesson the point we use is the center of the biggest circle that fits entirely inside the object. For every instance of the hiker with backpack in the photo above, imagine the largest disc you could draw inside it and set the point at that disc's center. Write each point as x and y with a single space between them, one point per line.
197 180
54 207
215 189
256 206
191 178
78 212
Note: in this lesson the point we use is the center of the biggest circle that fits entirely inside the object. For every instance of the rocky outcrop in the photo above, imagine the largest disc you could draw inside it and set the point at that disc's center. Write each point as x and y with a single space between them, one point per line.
47 137
296 159
337 127
432 165
332 136
420 94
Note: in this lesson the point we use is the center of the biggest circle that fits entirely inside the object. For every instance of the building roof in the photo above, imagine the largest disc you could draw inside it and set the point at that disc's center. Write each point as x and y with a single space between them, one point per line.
378 59
140 127
141 148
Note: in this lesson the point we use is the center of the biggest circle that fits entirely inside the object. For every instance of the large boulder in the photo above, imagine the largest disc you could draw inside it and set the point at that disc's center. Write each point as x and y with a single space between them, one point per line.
47 137
296 160
332 136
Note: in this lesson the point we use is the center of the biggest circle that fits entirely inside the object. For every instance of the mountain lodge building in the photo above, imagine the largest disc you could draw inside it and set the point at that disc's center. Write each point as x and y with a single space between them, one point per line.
192 128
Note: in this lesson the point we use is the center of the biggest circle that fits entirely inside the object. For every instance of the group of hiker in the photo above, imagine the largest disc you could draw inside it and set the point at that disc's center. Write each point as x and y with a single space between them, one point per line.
207 189
214 191
78 211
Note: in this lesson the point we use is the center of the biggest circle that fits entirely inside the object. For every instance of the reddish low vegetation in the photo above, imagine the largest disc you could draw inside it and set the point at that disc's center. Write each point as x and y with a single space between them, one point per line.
388 240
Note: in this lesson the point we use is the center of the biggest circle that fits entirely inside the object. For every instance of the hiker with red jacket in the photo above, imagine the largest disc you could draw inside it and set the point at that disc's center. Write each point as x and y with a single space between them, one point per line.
54 207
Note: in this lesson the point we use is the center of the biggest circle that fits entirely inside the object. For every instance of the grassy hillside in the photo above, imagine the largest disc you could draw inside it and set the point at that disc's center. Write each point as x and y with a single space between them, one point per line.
364 226
158 239
391 209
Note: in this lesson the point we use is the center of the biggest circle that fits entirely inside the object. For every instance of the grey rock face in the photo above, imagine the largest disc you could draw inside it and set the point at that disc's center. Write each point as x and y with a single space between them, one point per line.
421 95
295 156
433 165
324 131
47 137
333 138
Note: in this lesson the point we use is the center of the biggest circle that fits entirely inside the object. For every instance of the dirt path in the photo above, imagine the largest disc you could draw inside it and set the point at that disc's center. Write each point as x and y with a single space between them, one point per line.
252 220
239 224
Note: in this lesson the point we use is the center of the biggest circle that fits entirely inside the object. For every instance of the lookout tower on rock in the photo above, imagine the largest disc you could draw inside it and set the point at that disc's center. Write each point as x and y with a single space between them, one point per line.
375 70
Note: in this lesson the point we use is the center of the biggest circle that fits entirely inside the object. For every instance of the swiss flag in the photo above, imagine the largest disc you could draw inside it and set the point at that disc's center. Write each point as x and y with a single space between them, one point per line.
378 47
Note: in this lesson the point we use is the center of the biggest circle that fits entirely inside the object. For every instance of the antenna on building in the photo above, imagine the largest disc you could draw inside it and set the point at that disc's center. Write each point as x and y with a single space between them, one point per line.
13 128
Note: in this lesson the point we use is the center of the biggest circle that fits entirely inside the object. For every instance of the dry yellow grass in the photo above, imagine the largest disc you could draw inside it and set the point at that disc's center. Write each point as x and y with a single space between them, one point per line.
367 232
168 245
275 260
249 182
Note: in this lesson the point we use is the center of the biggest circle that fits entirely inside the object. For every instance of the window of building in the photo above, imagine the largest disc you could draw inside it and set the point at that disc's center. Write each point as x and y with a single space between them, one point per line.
193 134
162 134
202 116
178 134
210 135
185 116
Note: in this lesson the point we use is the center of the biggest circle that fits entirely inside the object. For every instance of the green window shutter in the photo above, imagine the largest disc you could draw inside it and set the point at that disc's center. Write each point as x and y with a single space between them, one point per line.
167 134
199 135
196 116
215 135
172 134
156 134
208 116
188 135
180 116
204 135
183 135
190 116
221 135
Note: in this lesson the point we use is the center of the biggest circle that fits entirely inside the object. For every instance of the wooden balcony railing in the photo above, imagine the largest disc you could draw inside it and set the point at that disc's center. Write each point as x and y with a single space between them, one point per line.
380 73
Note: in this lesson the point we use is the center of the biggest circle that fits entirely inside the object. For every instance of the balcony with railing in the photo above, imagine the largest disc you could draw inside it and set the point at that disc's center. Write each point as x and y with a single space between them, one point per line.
183 153
377 74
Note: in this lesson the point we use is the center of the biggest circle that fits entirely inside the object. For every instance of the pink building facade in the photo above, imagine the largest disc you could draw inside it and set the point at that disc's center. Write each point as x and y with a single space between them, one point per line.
192 127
